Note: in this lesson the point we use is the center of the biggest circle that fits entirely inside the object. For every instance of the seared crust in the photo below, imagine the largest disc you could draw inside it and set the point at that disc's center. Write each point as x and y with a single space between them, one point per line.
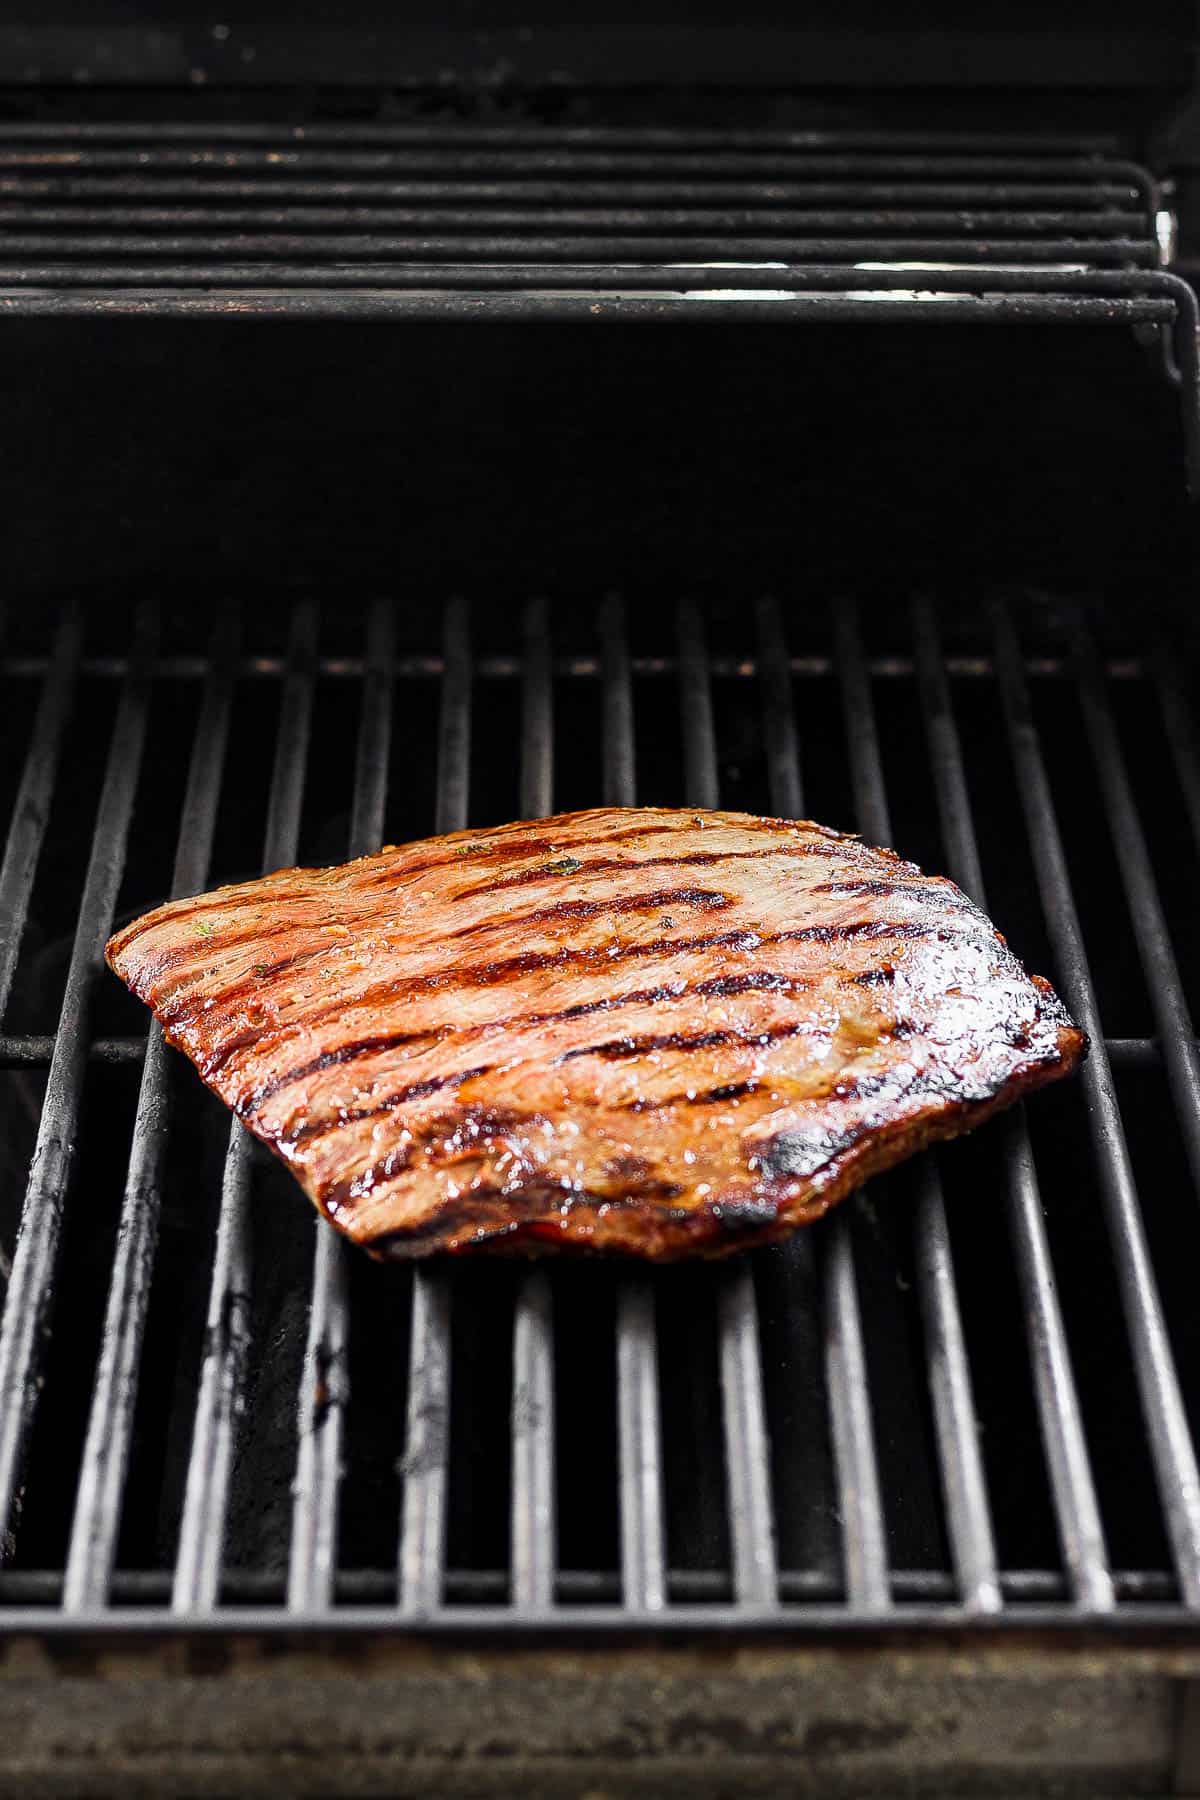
641 1030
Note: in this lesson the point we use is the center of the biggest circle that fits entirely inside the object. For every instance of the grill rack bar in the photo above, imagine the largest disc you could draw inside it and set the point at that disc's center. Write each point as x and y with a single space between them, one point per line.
74 256
533 1547
325 1377
136 198
1077 1511
421 287
223 1371
1036 151
1154 1364
475 151
639 1433
21 1588
103 1470
496 667
859 1499
747 1455
427 1441
31 1280
963 1481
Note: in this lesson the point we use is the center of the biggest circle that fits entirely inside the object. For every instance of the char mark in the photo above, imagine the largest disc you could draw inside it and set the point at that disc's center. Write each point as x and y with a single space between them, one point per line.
494 1211
622 1048
329 1059
416 1090
714 1096
716 986
458 1132
884 976
705 899
497 843
874 890
451 979
597 865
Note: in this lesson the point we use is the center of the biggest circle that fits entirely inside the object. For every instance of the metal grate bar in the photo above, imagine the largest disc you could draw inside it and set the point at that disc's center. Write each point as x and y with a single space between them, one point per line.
747 1454
294 260
859 1504
19 1051
427 1441
220 1399
1035 293
1171 1012
643 1546
31 1280
153 198
1082 153
585 216
1158 1381
594 297
622 153
31 808
533 1519
142 1587
1014 292
1077 1511
324 1380
962 1473
101 1488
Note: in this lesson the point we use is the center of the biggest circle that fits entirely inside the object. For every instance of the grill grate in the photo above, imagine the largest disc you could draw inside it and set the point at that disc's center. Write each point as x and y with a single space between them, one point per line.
360 203
865 1424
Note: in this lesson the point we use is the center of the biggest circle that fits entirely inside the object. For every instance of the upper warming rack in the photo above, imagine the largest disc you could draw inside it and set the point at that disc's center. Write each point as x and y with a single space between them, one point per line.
376 204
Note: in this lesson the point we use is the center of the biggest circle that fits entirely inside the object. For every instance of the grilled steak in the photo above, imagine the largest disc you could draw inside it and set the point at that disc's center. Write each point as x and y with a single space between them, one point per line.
643 1030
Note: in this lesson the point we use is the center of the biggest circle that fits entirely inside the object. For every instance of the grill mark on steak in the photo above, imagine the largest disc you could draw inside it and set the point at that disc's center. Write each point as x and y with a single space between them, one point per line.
872 890
462 1131
450 979
615 1050
480 852
719 987
477 851
705 899
620 1049
728 1090
596 865
416 1090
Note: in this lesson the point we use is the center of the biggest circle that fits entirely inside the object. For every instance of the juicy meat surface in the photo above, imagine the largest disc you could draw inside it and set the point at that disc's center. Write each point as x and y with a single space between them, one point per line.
643 1030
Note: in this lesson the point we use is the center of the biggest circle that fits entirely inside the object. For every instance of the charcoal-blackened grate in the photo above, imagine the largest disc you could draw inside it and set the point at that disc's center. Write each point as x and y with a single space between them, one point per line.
963 1398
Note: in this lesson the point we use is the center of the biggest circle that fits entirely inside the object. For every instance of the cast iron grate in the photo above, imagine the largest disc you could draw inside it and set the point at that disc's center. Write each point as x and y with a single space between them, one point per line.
366 204
970 1396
